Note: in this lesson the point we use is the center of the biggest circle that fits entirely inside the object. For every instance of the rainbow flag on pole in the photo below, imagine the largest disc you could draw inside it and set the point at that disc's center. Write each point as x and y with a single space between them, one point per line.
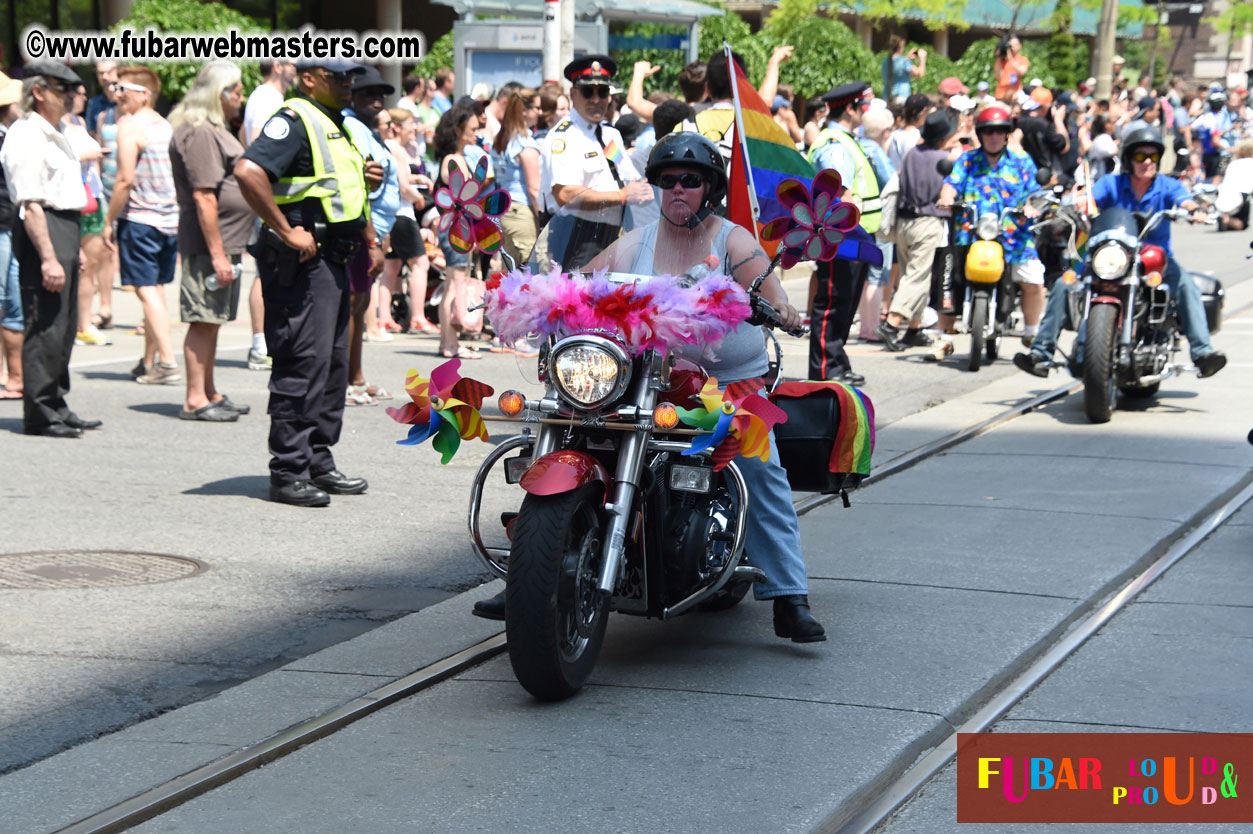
763 156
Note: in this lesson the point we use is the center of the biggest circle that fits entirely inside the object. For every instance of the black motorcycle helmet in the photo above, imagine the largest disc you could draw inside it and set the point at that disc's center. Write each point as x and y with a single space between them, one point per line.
689 149
1136 139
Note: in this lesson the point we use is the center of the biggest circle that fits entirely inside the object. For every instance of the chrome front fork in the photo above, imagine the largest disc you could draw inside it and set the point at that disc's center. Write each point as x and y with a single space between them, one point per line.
631 457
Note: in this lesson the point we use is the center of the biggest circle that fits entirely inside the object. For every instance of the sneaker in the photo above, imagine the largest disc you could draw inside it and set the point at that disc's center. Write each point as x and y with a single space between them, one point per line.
1210 363
258 361
891 336
1033 363
941 348
161 374
140 369
91 336
917 338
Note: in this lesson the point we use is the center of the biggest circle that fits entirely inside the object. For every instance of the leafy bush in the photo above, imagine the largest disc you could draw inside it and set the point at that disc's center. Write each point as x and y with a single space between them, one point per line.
438 54
827 52
189 16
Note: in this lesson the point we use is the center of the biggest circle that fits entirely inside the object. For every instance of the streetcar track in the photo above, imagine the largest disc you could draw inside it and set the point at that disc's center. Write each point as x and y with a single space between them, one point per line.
875 806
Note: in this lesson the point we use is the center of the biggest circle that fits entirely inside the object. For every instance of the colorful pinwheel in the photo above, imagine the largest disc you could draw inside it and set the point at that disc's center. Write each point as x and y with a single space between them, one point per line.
817 224
739 422
469 208
444 408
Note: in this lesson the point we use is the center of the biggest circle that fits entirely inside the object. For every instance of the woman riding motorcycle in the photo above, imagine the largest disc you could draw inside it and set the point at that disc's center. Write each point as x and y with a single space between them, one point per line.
689 170
1138 189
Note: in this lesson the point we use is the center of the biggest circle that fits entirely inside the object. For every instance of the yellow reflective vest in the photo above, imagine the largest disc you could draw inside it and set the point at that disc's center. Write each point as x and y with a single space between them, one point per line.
338 178
865 184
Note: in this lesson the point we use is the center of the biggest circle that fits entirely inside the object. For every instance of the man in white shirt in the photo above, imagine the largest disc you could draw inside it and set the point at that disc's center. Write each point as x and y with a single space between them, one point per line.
263 102
267 98
45 183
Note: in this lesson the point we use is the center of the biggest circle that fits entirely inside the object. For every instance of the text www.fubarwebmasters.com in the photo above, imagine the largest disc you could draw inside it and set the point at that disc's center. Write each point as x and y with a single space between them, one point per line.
153 46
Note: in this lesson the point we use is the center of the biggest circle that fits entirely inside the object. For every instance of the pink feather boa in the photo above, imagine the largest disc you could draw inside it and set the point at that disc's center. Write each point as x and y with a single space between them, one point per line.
656 313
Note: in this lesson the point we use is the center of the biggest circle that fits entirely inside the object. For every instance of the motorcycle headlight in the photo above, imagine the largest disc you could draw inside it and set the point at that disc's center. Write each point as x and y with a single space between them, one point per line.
589 371
1110 262
988 227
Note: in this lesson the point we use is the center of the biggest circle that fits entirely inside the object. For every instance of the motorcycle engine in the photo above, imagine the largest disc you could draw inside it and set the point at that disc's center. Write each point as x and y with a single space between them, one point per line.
697 539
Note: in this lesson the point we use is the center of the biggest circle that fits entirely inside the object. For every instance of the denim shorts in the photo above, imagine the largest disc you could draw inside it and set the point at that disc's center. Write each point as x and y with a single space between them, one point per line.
452 258
10 291
146 254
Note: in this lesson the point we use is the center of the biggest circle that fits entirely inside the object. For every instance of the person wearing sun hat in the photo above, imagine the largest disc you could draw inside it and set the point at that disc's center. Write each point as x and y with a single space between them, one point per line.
584 158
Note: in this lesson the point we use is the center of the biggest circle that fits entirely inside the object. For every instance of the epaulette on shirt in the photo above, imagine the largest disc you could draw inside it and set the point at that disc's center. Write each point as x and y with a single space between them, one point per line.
289 113
563 127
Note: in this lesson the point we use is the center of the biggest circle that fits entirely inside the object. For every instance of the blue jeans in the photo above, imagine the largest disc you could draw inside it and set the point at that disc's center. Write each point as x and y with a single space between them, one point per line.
772 536
1188 304
10 291
878 276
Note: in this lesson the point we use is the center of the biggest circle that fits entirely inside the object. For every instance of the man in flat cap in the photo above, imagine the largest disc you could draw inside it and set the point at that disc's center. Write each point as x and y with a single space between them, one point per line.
316 214
840 281
585 159
45 184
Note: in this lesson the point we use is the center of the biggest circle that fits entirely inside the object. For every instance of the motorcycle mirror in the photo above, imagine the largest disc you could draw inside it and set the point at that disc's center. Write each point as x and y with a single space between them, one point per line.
1044 175
944 167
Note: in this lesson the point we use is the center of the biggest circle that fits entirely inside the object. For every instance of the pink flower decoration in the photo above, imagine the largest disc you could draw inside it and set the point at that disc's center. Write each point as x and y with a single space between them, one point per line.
818 223
469 208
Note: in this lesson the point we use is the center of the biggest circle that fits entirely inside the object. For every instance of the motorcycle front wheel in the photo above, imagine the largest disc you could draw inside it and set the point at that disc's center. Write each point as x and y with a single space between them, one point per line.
978 329
554 616
1099 379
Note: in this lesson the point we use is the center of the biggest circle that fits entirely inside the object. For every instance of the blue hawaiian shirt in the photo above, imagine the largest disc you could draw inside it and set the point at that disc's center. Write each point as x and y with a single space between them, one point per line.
984 188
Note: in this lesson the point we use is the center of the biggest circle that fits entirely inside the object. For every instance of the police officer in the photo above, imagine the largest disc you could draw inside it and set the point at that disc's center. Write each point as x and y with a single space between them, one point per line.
840 281
585 159
308 182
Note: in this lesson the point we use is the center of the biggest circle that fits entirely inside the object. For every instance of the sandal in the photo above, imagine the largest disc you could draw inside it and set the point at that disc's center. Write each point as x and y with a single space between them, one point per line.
358 395
461 353
378 392
7 393
423 326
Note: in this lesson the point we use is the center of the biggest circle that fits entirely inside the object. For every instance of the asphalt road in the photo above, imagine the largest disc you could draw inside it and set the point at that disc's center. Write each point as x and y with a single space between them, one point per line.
279 582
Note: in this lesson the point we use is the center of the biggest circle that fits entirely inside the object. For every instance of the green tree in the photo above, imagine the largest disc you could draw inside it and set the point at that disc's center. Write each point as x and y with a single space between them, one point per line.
827 51
934 14
1236 20
438 54
1061 47
189 16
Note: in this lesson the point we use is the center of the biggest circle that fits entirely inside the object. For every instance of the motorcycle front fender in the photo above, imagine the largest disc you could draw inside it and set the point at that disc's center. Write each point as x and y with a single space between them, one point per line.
562 471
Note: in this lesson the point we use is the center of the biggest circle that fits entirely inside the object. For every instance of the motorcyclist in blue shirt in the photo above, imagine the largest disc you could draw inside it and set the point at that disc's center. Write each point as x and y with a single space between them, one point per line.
1140 190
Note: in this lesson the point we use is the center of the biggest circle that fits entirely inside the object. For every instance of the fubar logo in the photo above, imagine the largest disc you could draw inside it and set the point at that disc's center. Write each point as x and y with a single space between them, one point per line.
1103 777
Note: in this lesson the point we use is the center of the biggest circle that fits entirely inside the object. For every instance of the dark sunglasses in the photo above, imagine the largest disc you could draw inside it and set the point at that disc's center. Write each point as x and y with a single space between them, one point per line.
1141 156
595 91
687 180
1004 131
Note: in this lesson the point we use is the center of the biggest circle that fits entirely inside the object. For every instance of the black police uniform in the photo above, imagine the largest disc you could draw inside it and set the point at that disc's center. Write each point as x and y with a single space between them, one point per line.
306 312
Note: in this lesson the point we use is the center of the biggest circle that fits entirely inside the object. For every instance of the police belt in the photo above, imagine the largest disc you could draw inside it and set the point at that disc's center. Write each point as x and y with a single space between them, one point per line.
338 249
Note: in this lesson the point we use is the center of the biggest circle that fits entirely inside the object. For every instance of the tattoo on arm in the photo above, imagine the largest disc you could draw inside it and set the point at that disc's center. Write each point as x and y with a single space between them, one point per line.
757 252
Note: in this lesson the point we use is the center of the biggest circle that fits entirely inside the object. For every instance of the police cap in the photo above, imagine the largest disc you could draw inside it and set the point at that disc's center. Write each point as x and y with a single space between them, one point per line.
49 68
329 64
845 94
591 69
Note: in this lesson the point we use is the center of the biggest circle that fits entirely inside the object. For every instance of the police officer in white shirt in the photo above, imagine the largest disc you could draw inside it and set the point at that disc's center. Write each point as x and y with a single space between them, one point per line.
45 183
585 159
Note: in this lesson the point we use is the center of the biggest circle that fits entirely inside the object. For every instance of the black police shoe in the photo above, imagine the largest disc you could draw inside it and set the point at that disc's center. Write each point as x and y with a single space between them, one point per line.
337 483
299 494
793 619
492 608
917 338
1032 363
1211 363
851 378
76 422
54 430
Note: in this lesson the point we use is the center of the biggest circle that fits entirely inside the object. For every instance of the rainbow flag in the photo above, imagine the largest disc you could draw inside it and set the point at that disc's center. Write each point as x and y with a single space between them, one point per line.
762 157
855 434
613 152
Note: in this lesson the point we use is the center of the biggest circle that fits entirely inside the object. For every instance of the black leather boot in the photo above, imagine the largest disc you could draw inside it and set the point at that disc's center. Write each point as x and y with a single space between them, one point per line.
492 608
792 619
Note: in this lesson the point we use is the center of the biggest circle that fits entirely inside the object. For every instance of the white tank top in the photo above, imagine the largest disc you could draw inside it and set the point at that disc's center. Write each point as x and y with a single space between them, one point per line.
740 354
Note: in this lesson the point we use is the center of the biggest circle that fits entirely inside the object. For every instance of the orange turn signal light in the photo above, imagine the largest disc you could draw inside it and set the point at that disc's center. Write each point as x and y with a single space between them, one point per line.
1153 279
665 416
511 403
1069 277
